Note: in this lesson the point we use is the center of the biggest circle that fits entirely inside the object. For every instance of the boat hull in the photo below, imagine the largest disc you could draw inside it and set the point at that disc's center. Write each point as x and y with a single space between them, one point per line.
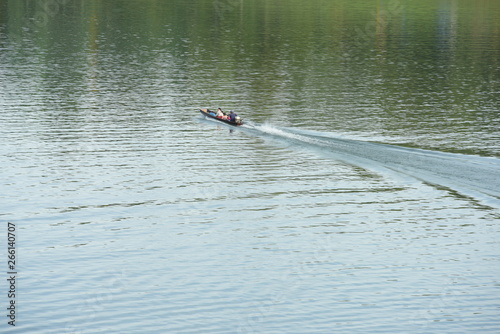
205 112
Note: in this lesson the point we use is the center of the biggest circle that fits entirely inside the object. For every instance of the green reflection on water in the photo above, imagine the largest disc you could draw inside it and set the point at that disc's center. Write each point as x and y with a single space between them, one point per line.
390 68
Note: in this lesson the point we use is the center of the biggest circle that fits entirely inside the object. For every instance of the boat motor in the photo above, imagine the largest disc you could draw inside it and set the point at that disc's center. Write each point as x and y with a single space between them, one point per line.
237 119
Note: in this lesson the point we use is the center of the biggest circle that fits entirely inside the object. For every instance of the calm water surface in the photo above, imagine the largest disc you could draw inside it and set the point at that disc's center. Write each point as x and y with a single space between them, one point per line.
361 196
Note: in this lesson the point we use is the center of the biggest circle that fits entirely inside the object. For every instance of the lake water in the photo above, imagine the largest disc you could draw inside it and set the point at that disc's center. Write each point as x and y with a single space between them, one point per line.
362 194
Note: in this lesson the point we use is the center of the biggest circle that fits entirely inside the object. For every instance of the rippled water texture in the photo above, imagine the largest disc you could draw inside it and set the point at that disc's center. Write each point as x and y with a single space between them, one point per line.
361 195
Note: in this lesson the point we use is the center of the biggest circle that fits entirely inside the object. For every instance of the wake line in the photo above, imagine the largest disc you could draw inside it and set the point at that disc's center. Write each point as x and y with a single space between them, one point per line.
474 176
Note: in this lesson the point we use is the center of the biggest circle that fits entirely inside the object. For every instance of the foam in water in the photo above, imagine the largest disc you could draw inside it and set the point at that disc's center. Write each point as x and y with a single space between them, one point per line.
473 176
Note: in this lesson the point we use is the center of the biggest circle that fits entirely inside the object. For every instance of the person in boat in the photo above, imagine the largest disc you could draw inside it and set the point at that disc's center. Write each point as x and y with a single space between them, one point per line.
232 116
210 112
220 114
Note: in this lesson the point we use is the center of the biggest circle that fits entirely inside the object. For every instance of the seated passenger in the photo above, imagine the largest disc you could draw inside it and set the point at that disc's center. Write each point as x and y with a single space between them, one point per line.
220 114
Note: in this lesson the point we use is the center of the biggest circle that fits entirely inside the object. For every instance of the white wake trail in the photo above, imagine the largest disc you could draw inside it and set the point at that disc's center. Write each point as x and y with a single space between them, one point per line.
474 176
